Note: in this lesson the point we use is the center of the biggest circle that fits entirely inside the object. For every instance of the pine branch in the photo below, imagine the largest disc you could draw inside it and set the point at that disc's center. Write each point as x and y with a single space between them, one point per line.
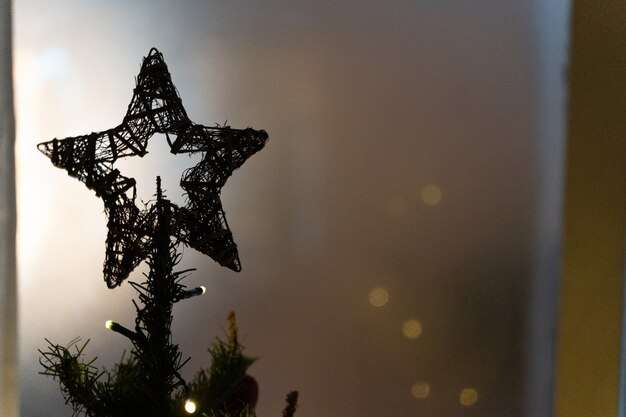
215 388
78 379
149 383
292 404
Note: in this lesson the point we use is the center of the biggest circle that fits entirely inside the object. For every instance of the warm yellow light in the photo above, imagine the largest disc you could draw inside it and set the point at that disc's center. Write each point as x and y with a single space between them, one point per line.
412 329
378 297
190 406
109 324
398 207
203 288
431 195
420 390
468 397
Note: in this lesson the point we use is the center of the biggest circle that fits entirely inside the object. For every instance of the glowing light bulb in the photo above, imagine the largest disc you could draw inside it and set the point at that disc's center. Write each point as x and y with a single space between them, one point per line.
378 297
420 390
190 406
431 195
468 397
109 324
412 329
398 207
192 293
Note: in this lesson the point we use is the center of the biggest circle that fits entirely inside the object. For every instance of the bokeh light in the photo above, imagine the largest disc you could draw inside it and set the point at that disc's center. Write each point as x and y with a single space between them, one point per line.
431 195
190 406
378 297
398 207
420 390
468 397
412 329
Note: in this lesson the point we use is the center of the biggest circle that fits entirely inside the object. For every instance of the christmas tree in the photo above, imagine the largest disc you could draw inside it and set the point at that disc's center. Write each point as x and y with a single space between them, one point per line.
149 382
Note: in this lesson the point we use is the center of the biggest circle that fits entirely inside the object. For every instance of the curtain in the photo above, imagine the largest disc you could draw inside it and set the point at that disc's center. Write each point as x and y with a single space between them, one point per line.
8 303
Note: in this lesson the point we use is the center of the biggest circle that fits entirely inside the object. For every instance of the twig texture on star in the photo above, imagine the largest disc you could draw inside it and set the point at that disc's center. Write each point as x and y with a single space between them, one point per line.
157 108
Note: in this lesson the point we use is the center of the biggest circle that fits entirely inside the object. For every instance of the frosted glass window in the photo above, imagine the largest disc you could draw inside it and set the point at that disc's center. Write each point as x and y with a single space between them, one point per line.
399 233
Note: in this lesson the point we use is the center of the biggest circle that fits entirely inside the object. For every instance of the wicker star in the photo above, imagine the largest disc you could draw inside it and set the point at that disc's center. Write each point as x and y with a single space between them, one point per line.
157 108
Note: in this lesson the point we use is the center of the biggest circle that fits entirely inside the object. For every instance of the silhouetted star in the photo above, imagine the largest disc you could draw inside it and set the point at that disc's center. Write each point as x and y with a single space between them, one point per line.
157 108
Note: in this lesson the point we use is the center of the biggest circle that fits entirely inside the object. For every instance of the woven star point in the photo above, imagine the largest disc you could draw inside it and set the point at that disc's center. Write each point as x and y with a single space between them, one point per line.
156 107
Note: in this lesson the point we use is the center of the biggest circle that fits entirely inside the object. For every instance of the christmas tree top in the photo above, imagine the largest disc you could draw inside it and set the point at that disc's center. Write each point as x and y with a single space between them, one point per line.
149 383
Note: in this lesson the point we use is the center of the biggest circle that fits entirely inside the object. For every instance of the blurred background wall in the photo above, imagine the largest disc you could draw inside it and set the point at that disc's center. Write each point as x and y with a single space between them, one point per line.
399 234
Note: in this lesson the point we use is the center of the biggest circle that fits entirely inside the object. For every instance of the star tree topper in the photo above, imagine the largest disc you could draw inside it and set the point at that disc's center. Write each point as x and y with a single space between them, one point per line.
156 107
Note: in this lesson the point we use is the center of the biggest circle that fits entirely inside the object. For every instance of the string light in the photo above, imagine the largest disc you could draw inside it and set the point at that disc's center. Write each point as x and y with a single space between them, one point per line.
118 328
192 292
468 397
190 406
412 329
398 207
378 297
420 390
431 195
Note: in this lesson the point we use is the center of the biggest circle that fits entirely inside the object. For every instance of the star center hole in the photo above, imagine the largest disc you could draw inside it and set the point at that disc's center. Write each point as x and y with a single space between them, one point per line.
159 161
